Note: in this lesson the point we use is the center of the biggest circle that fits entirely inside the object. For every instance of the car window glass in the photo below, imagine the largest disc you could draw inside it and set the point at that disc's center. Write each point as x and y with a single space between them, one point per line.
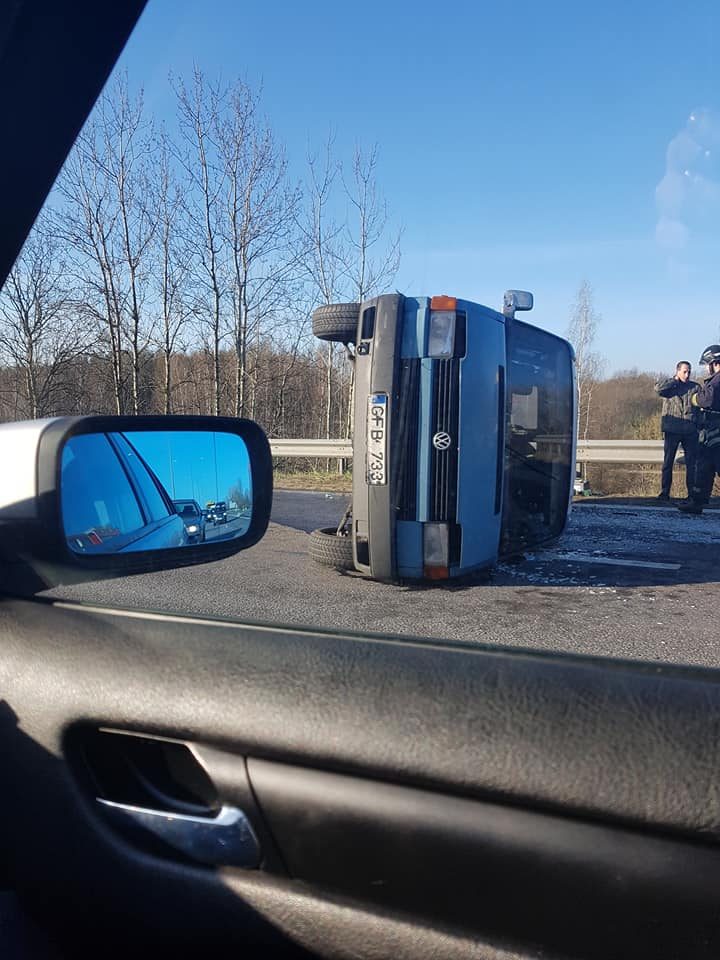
117 511
219 194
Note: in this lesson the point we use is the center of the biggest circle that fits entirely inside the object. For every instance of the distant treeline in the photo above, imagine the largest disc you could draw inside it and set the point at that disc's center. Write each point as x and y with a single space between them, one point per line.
286 391
626 407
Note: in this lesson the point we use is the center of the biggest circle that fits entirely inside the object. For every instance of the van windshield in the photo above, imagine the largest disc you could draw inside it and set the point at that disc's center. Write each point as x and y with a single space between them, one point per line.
538 437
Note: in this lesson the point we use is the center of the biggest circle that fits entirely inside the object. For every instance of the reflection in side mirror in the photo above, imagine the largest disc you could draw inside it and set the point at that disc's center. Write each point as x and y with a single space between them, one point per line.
149 490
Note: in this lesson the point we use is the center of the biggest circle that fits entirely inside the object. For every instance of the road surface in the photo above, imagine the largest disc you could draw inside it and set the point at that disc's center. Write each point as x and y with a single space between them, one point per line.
630 582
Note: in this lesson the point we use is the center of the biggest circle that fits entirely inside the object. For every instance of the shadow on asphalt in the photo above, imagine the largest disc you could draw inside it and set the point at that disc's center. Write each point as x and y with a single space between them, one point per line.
626 554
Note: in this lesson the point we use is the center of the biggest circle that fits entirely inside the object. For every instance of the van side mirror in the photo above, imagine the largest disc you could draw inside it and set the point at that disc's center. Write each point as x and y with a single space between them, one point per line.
514 300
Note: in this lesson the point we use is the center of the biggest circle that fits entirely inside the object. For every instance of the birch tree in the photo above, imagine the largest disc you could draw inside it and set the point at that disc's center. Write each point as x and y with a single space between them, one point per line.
371 257
87 222
588 363
323 257
129 145
200 105
173 258
109 219
259 214
349 254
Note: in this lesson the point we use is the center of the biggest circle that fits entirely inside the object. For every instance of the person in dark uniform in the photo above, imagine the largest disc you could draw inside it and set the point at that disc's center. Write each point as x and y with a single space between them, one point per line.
707 402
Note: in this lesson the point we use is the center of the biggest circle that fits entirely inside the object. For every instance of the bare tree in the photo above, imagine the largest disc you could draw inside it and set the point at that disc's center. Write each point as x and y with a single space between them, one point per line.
39 332
128 147
173 258
87 222
260 210
371 257
588 363
323 254
321 234
200 106
345 259
109 218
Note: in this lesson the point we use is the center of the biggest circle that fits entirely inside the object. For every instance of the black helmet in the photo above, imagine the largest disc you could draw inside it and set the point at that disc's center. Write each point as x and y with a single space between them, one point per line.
711 354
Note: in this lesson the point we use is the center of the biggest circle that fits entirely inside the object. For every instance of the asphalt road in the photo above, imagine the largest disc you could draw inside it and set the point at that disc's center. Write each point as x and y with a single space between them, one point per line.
232 527
625 581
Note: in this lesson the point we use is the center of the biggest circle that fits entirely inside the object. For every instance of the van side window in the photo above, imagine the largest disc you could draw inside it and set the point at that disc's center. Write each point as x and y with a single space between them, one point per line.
539 433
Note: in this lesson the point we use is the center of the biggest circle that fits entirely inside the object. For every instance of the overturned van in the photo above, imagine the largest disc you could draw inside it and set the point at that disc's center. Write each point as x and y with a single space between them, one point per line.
464 436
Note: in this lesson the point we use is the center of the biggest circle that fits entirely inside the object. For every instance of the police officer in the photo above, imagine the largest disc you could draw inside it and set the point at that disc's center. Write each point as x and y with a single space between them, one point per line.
707 402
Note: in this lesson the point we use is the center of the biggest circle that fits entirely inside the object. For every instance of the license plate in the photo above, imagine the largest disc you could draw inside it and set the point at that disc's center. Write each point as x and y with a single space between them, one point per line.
377 438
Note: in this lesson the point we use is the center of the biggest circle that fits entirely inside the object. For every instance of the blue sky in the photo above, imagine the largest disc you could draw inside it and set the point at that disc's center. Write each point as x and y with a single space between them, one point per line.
521 144
195 465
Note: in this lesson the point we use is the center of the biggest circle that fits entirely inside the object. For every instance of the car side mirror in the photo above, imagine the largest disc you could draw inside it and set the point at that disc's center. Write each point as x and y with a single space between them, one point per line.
110 496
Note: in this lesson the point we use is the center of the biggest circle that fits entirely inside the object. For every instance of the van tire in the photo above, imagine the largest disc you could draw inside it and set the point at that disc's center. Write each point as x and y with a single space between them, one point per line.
336 322
327 548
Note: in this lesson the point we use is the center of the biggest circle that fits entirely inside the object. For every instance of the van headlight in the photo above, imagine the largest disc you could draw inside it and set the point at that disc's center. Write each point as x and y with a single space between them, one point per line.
441 333
193 528
436 550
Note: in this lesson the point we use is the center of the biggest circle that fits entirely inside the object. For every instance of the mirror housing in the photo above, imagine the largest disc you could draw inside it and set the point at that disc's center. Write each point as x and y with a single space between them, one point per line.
515 300
32 533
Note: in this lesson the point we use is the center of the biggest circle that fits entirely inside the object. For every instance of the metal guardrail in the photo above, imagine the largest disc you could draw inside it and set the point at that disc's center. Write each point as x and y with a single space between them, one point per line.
620 451
311 448
588 451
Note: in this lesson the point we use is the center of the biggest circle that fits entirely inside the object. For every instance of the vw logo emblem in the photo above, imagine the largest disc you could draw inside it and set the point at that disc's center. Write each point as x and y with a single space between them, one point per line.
442 440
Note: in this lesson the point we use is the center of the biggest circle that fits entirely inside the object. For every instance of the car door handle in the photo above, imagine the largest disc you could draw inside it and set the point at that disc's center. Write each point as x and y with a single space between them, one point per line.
227 839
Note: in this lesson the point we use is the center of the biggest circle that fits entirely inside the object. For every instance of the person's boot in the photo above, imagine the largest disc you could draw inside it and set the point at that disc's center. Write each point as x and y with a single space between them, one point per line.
692 507
663 496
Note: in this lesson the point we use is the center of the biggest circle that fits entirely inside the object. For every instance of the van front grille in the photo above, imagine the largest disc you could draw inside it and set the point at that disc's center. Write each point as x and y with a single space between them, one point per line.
444 446
404 443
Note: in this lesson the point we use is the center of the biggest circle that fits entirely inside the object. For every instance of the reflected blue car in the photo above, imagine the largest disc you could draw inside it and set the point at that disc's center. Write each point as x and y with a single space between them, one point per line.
112 501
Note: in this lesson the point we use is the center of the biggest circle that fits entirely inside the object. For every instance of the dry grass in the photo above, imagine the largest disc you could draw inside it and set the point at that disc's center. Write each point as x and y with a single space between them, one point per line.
638 480
332 482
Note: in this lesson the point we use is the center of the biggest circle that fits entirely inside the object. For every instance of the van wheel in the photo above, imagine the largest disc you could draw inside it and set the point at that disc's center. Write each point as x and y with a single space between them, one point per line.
336 322
327 548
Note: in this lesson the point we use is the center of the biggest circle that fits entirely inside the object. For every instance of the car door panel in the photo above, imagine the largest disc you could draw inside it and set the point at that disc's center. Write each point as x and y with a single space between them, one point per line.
559 732
434 790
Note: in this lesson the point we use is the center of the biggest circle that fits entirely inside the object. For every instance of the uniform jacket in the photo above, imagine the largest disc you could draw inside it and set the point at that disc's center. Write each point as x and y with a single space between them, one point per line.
707 402
708 395
678 414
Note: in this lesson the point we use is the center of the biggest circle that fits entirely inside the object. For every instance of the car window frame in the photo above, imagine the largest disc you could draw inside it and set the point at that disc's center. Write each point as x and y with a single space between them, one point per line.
130 469
126 535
